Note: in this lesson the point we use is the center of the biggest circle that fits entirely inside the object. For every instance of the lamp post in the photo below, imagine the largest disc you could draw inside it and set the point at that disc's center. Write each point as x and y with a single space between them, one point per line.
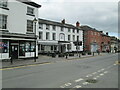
35 21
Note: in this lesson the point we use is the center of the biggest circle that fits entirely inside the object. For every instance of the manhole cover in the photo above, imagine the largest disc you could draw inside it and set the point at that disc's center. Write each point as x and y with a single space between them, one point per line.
91 81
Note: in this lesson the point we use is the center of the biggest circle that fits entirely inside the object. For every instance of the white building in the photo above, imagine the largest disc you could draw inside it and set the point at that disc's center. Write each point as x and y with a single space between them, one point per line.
58 36
17 30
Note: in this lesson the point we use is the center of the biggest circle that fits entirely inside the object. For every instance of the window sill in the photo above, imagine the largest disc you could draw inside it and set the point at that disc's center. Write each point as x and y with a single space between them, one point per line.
30 14
5 8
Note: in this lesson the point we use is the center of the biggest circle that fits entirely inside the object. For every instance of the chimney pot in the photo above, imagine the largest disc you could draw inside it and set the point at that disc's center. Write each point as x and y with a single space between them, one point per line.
77 24
63 21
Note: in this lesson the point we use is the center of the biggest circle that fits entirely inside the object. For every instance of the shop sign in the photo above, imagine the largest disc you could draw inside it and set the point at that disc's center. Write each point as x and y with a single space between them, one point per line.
3 45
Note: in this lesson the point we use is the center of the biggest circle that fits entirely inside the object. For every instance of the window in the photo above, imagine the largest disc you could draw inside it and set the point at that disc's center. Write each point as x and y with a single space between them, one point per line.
22 48
47 35
68 46
40 26
54 27
68 29
40 35
68 37
3 22
27 47
54 36
3 3
73 37
73 30
30 11
29 26
77 38
4 46
30 47
42 47
94 33
47 26
62 29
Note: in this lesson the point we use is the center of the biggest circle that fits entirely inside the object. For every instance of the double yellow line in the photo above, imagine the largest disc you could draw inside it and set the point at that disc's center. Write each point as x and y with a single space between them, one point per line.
9 68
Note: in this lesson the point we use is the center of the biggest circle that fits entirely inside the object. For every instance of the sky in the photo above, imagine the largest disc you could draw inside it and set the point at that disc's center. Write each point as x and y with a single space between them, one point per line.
99 14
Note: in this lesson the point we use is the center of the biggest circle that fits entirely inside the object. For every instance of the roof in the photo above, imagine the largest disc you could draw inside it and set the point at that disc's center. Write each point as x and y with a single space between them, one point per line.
87 28
29 2
44 21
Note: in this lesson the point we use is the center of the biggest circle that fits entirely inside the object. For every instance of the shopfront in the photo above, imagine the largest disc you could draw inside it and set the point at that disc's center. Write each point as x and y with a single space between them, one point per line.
17 47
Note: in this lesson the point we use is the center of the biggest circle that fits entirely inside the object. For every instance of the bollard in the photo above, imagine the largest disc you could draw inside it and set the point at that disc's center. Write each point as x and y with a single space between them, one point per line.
93 53
79 55
11 60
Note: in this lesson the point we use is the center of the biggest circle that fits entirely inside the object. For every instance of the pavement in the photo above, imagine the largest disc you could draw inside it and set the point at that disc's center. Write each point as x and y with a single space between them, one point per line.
42 59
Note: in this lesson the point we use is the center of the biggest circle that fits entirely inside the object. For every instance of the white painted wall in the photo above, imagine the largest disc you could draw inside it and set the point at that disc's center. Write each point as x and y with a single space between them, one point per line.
66 33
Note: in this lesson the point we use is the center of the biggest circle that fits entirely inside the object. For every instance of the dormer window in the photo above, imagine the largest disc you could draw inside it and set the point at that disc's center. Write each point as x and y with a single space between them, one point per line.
30 11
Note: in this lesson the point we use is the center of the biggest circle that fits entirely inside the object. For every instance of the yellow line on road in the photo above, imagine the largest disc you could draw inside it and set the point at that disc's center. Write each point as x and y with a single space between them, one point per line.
25 66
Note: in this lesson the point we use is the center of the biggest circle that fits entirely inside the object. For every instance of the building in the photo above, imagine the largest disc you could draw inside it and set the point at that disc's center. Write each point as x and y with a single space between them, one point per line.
91 39
114 44
106 42
58 36
17 29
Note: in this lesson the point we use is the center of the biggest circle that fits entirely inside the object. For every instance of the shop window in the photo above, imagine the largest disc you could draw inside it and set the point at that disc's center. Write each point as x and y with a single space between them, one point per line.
32 49
42 47
4 46
22 49
55 48
52 48
27 47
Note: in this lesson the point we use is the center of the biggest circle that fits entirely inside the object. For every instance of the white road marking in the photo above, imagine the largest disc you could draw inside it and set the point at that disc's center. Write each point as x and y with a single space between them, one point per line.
78 80
106 72
78 86
89 75
85 83
94 73
101 74
97 76
62 86
68 84
99 70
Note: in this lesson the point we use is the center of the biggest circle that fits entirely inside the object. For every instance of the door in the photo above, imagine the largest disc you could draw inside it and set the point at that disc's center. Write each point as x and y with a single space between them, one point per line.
14 51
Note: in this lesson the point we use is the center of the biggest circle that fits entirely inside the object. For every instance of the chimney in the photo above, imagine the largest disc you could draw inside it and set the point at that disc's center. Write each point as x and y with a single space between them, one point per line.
101 31
63 21
77 24
106 33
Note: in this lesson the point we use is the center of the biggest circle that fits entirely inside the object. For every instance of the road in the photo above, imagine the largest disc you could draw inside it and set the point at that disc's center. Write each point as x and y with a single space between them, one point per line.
65 74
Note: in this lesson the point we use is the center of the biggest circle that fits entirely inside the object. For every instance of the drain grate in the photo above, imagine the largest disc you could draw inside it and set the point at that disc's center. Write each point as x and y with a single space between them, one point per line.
91 81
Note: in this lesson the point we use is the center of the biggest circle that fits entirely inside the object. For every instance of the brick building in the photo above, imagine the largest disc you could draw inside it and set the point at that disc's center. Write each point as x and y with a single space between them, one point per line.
95 40
106 42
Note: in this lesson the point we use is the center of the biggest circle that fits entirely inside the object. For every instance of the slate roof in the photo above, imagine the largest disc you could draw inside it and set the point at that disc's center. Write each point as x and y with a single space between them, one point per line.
29 2
44 21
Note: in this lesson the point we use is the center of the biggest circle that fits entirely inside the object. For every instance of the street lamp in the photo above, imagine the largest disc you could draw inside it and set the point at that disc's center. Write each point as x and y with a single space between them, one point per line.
35 21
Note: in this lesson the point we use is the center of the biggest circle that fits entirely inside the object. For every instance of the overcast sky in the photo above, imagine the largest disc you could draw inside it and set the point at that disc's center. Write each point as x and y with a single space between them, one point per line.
102 15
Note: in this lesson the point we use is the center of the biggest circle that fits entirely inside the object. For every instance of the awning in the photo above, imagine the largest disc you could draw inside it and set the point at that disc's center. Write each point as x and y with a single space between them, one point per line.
63 42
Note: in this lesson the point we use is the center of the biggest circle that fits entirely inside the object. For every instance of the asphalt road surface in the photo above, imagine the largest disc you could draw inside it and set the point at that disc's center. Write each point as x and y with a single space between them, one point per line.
93 72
